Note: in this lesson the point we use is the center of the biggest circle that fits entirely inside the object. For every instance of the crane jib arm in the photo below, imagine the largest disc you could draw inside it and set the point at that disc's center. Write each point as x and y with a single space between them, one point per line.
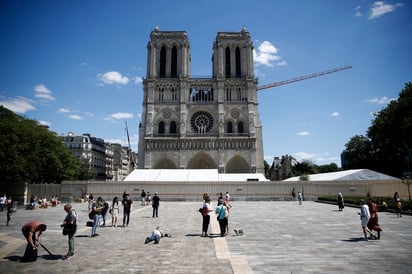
304 77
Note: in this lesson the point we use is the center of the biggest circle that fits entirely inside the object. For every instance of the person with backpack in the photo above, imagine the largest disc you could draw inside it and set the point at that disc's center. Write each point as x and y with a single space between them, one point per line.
69 228
206 210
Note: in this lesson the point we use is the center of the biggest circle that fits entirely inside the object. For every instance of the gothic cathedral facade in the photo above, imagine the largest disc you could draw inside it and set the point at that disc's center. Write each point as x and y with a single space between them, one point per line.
200 123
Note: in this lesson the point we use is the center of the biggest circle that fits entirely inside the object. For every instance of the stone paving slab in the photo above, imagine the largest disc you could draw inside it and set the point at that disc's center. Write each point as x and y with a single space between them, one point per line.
279 237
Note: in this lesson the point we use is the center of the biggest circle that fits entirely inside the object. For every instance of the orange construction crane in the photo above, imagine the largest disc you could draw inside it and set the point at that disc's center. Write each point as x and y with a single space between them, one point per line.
304 77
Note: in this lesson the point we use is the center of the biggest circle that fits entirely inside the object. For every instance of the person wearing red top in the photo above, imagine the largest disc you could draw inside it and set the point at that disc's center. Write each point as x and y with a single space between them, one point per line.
29 231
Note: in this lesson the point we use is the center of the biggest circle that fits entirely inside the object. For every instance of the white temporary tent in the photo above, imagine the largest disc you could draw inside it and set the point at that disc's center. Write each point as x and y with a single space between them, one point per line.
346 175
189 175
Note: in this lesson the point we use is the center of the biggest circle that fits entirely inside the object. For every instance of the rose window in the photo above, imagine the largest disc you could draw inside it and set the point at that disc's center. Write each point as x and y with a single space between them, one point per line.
201 122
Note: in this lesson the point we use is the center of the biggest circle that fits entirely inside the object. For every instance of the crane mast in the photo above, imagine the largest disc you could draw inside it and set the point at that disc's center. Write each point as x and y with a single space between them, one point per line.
131 162
301 78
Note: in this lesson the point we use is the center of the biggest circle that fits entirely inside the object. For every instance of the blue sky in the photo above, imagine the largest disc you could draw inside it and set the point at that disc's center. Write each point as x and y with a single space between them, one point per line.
78 66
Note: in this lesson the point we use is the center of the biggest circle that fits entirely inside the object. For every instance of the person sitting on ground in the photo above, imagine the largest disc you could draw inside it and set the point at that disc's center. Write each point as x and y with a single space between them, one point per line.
157 234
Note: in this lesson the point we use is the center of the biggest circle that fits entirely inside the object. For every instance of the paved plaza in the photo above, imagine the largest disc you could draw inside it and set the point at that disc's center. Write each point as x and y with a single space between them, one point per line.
279 237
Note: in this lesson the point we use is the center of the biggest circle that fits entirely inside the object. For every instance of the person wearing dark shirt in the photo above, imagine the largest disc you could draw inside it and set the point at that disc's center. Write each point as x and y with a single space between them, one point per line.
155 204
127 206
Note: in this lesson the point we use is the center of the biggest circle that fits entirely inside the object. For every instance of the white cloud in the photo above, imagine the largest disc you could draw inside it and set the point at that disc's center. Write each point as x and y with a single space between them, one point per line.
75 117
281 63
42 92
64 110
138 80
303 133
45 123
121 115
300 156
382 101
380 8
265 54
18 105
358 13
316 158
334 114
113 77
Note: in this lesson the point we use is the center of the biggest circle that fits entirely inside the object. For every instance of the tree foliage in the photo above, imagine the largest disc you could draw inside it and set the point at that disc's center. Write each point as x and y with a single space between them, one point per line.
31 153
387 145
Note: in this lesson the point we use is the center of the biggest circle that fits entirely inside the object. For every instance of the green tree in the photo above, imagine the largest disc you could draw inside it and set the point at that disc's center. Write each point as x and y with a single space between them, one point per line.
86 172
388 144
30 153
391 134
358 153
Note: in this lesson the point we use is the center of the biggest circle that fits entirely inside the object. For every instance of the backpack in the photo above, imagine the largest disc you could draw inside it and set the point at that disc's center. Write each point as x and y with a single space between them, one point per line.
205 211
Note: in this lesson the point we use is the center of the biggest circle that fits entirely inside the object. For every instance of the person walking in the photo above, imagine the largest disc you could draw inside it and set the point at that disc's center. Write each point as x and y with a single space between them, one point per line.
373 223
398 204
97 208
155 205
206 212
70 224
9 207
340 201
364 217
29 231
127 206
114 211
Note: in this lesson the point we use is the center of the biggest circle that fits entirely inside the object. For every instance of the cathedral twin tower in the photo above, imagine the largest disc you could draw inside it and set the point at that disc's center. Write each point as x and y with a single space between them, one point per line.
200 123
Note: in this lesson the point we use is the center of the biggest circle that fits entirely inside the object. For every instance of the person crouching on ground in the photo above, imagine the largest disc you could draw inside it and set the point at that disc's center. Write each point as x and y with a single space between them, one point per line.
29 231
157 234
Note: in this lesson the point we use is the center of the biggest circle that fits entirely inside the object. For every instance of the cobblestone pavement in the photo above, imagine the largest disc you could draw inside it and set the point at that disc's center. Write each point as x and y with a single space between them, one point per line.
279 237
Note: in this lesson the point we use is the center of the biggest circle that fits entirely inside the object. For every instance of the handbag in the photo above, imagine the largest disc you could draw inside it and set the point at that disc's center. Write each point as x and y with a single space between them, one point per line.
69 229
91 215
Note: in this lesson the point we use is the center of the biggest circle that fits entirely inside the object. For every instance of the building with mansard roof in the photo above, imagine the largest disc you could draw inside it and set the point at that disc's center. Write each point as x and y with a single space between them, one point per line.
200 123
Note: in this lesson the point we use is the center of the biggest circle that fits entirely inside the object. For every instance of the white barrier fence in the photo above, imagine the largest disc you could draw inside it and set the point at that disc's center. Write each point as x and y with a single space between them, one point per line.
70 191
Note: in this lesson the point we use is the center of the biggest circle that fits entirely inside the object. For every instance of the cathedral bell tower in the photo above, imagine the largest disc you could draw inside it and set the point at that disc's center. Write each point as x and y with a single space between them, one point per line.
200 123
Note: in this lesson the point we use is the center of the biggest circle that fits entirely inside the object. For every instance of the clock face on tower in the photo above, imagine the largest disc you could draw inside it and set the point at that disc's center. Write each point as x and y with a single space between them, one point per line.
201 122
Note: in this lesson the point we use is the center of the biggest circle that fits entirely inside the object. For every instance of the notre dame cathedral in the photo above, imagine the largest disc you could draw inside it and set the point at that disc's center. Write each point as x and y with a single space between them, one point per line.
200 123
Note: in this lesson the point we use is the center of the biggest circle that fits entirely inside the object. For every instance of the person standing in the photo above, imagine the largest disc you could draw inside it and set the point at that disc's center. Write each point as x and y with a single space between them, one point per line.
155 204
91 201
340 201
127 206
114 210
3 202
398 204
300 197
373 223
29 231
364 217
104 211
70 222
222 214
9 207
97 208
143 196
206 212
